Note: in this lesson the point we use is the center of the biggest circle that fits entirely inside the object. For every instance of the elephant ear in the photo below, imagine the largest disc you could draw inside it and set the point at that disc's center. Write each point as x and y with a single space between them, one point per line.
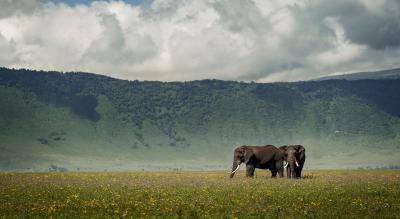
247 155
302 151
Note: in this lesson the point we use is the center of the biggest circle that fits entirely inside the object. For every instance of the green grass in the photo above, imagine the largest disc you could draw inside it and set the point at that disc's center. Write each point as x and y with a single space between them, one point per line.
320 194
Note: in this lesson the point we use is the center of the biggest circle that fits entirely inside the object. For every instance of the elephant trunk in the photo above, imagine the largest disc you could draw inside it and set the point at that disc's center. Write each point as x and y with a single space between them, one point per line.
292 162
235 167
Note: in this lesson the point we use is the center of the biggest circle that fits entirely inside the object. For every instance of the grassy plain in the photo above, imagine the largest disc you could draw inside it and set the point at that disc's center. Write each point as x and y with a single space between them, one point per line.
320 194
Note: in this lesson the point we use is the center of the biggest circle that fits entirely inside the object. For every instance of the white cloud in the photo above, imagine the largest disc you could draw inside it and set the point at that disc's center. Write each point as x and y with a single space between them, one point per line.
185 40
14 7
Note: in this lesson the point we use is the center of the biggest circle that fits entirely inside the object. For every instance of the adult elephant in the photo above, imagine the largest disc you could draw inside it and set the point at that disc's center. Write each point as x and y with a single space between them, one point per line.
262 157
295 156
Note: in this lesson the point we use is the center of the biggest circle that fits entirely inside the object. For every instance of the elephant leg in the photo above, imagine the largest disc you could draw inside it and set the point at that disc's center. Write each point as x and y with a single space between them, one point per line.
280 172
279 168
298 172
288 172
274 172
250 170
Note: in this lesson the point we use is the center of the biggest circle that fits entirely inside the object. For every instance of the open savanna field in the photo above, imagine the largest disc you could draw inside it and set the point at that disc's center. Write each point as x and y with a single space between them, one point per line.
321 194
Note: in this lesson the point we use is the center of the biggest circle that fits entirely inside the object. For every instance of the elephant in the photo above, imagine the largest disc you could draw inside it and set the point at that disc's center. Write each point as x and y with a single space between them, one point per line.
262 157
295 156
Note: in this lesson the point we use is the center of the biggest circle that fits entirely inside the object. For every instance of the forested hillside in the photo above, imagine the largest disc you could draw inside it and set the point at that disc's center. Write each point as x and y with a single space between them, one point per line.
81 121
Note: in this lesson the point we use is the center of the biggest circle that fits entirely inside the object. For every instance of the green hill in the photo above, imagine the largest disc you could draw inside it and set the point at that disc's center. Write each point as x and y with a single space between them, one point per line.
90 122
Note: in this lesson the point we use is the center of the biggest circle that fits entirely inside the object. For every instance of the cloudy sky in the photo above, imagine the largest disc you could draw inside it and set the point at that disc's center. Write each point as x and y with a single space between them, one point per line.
249 40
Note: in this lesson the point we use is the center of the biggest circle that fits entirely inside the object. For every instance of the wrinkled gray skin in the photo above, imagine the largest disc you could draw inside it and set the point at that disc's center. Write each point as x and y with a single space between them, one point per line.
293 153
262 157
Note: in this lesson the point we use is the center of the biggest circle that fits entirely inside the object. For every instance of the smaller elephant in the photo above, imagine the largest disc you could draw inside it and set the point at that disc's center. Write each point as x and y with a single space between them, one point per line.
262 157
295 156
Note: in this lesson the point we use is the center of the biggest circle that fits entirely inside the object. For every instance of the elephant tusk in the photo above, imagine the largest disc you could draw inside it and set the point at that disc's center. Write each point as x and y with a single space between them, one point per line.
286 165
235 169
297 164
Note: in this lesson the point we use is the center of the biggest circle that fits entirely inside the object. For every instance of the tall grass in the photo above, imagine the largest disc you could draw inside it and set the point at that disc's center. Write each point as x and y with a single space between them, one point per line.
320 194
